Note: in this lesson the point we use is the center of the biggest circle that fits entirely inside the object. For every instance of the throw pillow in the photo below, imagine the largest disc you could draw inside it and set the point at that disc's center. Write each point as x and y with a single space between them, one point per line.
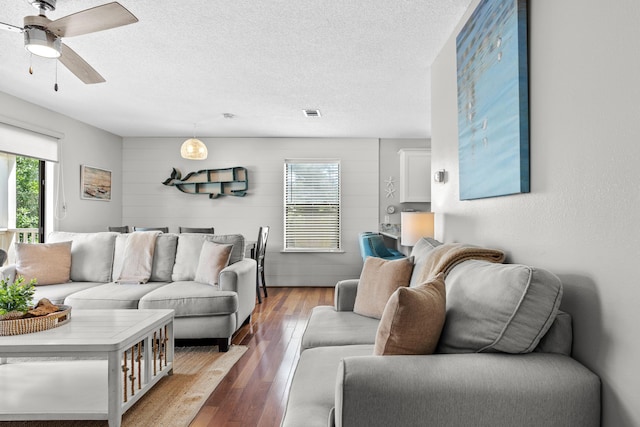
498 307
378 280
48 263
420 253
213 258
412 319
91 254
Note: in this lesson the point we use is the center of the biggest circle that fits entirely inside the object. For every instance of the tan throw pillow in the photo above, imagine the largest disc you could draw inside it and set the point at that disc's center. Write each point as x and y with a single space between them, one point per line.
412 320
48 263
213 258
378 280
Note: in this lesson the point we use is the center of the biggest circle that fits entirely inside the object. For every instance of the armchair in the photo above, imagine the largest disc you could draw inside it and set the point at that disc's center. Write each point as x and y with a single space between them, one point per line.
372 244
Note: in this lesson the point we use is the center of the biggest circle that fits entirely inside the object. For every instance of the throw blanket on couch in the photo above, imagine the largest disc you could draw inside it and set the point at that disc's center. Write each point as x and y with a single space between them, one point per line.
444 257
138 257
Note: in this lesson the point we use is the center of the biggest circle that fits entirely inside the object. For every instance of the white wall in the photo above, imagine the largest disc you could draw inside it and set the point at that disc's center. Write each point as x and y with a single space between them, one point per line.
149 161
581 218
81 144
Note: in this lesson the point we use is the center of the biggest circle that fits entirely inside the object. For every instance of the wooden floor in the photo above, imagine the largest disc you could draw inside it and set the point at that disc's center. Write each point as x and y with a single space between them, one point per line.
254 393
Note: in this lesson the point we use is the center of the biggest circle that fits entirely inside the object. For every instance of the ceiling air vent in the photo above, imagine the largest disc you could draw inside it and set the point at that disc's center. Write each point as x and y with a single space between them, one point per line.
311 113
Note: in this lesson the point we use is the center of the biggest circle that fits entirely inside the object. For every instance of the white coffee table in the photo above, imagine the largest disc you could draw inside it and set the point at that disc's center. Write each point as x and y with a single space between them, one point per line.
128 350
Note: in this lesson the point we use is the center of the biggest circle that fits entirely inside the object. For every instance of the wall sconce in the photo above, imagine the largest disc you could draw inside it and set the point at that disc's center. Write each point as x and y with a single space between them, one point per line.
414 226
439 176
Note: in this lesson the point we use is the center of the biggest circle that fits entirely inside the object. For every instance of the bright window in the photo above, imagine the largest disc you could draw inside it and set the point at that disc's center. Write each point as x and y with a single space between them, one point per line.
312 205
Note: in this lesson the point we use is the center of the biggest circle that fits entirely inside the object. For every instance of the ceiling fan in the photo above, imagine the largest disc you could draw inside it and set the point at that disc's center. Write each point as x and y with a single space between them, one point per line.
43 37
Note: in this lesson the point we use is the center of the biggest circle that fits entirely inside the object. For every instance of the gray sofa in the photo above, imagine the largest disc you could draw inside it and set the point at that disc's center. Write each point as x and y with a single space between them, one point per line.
201 310
503 359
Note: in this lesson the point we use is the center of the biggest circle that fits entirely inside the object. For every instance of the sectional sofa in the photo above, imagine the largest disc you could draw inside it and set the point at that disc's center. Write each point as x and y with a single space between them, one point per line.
202 310
503 357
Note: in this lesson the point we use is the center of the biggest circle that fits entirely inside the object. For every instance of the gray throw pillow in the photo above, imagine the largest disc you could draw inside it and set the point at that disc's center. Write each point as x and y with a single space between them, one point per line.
91 254
498 307
420 252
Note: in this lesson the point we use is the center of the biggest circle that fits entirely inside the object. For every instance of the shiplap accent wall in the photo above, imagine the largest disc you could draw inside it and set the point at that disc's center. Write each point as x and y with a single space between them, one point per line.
147 162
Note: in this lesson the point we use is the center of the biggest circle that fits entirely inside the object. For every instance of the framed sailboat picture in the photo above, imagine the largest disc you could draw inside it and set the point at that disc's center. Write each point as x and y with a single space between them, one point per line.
95 183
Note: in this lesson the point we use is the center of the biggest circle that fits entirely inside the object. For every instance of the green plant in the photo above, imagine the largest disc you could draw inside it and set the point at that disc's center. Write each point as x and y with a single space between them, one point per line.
17 296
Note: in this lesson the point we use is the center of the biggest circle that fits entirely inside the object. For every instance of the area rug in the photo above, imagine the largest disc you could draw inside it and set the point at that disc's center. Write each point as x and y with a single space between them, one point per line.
176 399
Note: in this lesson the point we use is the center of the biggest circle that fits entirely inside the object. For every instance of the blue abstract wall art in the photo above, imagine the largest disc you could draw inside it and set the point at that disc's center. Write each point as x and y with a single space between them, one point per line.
493 101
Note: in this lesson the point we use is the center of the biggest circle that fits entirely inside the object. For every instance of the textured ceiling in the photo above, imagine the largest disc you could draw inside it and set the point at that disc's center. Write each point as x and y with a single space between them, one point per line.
364 64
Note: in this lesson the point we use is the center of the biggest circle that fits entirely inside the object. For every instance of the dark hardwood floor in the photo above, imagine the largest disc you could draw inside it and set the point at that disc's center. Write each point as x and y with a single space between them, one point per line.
254 393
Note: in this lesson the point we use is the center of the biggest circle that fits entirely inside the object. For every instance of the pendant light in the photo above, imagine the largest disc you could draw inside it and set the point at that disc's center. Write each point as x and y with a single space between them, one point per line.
193 148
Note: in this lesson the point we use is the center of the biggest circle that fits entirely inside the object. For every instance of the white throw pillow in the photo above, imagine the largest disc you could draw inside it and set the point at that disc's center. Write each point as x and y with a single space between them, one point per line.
214 257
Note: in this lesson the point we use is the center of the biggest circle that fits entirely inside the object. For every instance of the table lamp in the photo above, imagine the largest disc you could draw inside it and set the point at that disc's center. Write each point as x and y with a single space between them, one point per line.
415 225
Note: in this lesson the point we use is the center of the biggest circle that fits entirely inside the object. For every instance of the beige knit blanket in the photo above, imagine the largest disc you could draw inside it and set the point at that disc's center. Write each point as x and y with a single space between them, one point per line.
138 257
444 257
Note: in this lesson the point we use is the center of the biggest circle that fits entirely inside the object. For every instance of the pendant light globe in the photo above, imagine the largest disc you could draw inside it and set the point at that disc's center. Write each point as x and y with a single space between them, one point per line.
194 149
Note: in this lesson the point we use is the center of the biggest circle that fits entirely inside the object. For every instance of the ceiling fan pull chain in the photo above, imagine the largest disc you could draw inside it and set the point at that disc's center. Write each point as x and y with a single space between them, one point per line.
55 86
31 63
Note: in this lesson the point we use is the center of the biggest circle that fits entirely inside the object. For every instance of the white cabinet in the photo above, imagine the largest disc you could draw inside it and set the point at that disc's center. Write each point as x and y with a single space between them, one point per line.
415 175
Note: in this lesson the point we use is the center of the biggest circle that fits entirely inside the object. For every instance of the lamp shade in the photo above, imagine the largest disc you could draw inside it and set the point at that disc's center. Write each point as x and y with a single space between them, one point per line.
194 149
415 225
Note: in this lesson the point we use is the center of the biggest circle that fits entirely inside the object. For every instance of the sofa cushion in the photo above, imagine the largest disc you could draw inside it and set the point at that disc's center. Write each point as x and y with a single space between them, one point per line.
313 387
58 293
187 256
420 252
378 280
213 258
111 296
48 263
327 327
412 319
164 256
91 254
190 246
498 307
559 337
191 299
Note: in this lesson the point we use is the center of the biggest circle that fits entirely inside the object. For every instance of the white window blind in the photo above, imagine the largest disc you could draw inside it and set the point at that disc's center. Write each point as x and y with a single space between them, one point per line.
26 143
312 205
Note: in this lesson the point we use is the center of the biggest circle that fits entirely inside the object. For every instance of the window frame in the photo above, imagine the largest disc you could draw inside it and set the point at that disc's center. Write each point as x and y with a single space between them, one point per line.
333 162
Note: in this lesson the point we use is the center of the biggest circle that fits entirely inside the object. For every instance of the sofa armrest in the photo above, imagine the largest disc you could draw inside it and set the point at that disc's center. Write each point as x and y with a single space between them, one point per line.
240 277
8 272
454 389
345 294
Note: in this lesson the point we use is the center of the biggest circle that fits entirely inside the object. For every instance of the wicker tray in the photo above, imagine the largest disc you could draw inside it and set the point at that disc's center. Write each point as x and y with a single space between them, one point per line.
35 324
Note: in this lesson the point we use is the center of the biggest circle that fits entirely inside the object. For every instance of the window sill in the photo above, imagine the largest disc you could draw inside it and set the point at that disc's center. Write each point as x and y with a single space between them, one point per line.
311 251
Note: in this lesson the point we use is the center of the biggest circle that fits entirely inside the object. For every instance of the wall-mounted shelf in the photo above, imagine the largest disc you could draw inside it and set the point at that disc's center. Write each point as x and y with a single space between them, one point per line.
213 182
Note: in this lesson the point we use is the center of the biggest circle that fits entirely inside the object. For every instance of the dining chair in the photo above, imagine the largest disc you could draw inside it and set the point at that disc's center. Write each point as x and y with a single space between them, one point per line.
261 248
208 230
163 229
120 229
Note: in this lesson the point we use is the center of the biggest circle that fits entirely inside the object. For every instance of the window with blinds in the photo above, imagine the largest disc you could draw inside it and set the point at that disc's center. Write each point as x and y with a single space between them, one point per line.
312 205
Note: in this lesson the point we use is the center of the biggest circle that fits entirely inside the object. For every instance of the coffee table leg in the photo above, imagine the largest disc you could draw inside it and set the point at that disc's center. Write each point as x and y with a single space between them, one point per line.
115 389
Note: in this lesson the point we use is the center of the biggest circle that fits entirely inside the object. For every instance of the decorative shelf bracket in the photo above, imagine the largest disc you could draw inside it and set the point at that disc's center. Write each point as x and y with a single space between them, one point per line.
214 182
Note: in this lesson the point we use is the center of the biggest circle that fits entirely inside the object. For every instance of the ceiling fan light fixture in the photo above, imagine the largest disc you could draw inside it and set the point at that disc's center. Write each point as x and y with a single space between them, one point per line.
194 149
42 43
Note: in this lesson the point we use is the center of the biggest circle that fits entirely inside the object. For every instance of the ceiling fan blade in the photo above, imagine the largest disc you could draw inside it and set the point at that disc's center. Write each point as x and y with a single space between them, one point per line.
99 18
10 27
79 66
